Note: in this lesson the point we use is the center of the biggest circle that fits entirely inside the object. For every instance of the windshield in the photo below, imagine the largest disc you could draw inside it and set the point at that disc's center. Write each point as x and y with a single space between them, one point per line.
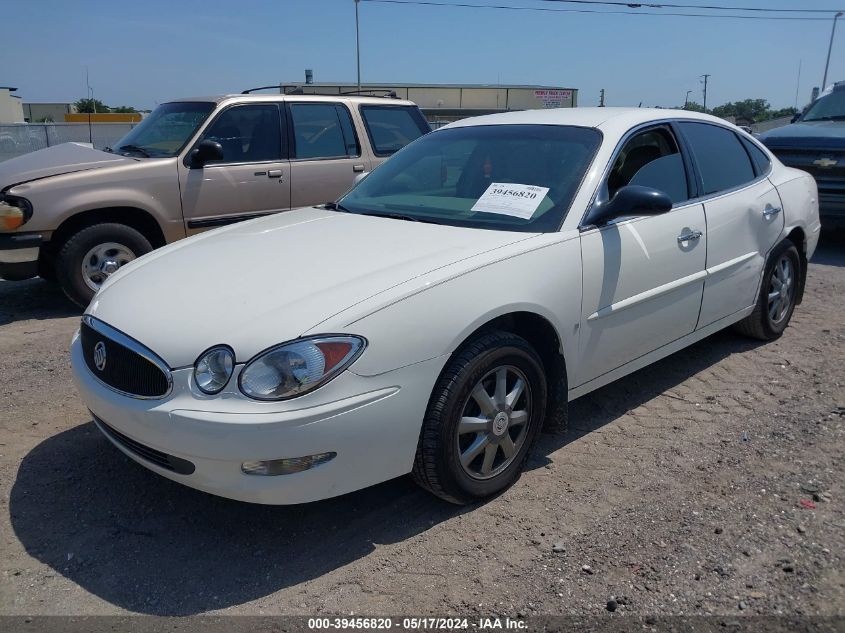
165 131
503 177
831 107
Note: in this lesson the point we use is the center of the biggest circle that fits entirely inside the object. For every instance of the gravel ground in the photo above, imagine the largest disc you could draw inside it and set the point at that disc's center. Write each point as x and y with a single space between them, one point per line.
711 482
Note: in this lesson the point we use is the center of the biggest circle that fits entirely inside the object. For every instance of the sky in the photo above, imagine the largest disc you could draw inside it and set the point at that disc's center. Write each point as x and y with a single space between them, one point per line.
144 52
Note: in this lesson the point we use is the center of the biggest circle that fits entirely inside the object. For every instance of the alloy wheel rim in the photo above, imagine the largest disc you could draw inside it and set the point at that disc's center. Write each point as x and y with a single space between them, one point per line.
780 290
102 261
494 422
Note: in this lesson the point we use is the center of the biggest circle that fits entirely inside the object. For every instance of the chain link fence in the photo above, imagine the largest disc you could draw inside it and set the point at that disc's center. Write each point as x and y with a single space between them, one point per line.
17 139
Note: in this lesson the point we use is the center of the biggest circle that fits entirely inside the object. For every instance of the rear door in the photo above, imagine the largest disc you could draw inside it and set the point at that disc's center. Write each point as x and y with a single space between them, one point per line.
743 211
252 179
642 276
325 152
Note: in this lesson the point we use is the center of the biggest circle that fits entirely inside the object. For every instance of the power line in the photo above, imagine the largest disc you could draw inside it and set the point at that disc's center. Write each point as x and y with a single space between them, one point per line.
465 5
663 5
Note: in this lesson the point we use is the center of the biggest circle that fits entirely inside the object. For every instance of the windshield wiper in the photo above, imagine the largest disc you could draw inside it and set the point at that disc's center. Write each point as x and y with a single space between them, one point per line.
832 117
400 216
135 148
334 206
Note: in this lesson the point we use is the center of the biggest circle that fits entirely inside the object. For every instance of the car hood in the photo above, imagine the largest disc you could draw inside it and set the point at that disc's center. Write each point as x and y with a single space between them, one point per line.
820 134
52 161
266 281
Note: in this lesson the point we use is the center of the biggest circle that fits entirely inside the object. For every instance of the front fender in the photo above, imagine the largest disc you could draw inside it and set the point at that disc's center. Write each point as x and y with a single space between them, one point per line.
434 322
151 186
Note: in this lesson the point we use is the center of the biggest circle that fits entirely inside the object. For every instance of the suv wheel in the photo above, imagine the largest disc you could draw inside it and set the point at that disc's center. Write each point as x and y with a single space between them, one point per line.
90 256
483 417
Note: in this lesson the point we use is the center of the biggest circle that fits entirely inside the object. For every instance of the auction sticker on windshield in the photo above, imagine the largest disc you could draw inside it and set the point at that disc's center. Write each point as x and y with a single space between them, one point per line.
507 198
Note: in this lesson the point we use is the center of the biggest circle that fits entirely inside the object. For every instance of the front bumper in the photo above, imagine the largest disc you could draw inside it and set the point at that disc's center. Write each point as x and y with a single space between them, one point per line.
19 255
372 424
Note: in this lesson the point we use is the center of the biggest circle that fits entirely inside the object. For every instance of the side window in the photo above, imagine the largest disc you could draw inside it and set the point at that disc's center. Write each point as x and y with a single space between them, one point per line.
721 159
761 161
322 130
248 134
391 128
650 159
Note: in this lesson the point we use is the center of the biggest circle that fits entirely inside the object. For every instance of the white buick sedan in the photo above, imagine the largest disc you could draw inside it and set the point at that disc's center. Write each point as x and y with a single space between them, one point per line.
435 318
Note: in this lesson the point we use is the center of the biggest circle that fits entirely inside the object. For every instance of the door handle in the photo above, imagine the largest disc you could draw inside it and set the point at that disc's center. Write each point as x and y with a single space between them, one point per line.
686 237
769 212
357 168
274 173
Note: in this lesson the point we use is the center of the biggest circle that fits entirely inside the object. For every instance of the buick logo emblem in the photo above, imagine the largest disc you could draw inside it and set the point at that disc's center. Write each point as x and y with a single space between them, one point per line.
100 356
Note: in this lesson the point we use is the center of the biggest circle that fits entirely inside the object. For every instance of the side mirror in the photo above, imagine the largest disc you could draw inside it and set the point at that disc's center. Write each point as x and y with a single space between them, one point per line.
795 117
631 200
205 152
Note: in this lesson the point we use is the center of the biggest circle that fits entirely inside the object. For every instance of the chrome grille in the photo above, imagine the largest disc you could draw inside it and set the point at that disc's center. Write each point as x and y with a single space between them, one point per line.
121 363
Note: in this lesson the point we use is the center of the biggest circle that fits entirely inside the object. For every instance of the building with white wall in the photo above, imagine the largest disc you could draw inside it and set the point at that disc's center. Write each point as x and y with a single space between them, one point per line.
47 112
449 102
11 107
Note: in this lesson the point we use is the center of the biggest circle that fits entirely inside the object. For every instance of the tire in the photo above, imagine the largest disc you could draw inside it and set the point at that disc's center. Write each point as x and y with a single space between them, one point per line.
770 318
443 439
118 242
47 266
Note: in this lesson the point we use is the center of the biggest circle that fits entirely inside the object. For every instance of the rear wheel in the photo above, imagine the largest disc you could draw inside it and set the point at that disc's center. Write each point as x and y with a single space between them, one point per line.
90 256
483 417
778 292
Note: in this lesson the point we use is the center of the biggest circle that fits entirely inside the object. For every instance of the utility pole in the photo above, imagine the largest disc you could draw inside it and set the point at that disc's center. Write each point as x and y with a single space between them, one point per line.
798 82
686 99
91 104
358 44
706 77
601 98
830 47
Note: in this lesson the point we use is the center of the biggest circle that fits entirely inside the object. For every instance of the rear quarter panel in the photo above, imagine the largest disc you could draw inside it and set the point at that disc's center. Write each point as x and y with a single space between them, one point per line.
800 198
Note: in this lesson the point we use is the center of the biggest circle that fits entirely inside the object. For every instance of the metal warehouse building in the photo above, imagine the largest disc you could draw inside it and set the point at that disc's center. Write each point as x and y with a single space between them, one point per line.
450 102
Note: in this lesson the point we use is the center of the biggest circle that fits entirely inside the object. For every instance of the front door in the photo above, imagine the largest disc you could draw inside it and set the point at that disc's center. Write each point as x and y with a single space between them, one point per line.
252 178
642 277
326 153
744 217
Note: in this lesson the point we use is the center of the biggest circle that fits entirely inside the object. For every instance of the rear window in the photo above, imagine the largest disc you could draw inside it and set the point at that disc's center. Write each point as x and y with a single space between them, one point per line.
761 161
721 159
391 128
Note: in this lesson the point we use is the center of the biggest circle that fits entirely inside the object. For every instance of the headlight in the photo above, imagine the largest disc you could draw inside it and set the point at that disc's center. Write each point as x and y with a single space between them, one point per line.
294 368
213 369
14 212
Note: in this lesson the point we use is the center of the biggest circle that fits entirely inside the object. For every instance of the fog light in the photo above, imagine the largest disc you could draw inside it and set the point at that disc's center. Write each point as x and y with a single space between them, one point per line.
286 466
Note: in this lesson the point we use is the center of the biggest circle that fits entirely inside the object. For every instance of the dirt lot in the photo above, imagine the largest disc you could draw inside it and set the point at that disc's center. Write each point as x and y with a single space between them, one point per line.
677 490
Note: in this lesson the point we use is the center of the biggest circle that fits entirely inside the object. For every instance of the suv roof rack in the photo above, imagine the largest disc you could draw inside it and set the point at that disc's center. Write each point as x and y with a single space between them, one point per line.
282 88
386 93
298 89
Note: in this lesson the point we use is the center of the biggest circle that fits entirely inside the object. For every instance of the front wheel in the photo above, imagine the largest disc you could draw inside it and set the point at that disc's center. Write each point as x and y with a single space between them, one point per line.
778 292
483 417
90 256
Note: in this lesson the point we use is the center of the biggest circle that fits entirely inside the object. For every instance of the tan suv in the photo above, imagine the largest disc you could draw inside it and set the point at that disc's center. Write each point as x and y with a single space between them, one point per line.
76 214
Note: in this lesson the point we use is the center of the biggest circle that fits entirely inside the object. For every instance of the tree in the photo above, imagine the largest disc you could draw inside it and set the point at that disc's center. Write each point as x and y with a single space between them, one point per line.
124 110
695 107
91 105
783 112
749 109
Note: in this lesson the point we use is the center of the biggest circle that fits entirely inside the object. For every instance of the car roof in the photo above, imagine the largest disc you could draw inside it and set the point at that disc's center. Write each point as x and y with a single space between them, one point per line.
601 118
217 99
